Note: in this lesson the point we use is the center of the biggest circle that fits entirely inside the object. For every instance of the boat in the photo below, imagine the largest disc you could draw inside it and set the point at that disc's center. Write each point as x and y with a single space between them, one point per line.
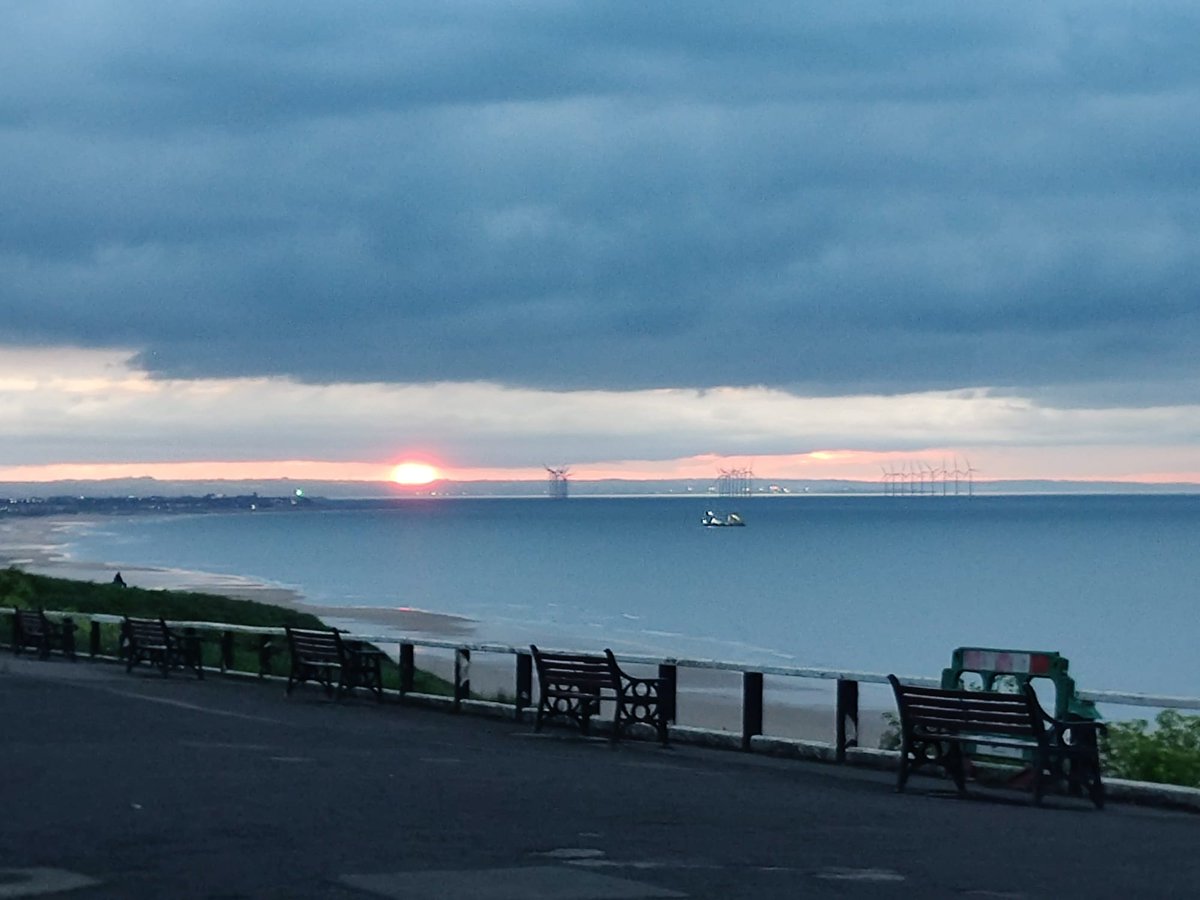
712 520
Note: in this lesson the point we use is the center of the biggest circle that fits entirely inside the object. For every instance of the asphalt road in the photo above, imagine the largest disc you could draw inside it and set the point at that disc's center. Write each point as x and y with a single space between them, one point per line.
120 786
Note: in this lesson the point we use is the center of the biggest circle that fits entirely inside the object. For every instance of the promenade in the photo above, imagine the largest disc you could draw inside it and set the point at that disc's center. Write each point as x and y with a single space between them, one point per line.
120 786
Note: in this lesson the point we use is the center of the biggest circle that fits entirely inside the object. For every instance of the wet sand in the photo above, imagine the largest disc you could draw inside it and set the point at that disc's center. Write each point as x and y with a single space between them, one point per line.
793 707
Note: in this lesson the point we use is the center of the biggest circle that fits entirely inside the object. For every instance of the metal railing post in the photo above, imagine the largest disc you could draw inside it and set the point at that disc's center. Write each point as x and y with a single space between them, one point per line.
94 639
752 706
668 675
266 649
462 677
226 651
847 715
524 683
407 667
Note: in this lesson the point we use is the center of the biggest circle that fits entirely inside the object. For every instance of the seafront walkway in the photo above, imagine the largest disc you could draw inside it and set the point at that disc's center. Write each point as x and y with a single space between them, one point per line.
119 786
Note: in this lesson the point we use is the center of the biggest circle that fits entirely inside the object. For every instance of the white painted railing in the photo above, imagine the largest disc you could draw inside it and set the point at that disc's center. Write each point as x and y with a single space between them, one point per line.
847 681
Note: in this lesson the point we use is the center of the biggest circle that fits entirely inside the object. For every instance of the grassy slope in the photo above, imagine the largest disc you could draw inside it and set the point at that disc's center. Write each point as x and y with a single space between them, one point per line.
28 591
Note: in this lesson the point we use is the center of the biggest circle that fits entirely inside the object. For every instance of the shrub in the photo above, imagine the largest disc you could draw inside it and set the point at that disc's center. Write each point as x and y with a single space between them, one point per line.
1168 753
889 739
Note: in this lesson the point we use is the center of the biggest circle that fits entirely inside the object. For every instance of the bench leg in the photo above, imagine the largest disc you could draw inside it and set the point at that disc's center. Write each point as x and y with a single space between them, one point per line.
640 710
955 764
902 774
1086 767
541 711
1039 777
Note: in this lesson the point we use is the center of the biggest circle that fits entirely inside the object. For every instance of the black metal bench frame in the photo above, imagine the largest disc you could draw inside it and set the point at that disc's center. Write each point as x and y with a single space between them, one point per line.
32 630
157 643
945 727
574 684
334 663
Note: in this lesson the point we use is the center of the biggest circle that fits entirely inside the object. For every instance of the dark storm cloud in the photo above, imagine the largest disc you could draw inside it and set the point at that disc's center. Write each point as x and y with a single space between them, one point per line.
864 197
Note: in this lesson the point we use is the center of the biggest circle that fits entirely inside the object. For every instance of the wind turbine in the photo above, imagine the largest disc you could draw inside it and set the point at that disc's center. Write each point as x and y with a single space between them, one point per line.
894 476
971 470
932 477
558 481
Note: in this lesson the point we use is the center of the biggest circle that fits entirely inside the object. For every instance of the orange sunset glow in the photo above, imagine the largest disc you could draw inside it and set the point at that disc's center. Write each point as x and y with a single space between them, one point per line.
415 473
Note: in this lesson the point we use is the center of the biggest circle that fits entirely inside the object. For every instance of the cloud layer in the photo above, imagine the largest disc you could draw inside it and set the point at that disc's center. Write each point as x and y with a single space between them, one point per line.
824 201
89 408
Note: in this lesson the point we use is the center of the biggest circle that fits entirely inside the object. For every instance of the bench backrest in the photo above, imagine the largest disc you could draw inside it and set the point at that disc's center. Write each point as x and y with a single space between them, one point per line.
307 644
970 712
149 632
586 671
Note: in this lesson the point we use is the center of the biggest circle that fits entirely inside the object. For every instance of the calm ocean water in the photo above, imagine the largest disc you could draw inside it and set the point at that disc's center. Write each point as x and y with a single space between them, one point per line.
878 584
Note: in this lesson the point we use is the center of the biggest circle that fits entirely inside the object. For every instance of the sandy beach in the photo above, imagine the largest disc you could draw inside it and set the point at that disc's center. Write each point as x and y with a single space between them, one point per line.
37 544
794 708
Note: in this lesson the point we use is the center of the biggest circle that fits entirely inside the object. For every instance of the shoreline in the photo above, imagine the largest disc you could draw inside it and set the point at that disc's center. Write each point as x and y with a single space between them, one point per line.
37 545
705 699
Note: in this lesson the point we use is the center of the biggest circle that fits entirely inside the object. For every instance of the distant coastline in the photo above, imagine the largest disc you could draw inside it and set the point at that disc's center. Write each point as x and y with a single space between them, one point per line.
129 495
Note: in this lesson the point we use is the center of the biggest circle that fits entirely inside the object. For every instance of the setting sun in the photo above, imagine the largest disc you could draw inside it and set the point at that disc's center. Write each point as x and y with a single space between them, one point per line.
414 473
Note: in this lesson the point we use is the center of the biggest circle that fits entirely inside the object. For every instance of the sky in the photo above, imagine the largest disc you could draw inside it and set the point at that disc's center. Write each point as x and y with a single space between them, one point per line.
639 240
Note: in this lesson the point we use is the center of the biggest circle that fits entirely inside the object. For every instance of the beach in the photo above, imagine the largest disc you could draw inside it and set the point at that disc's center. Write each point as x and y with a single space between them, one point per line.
38 544
797 708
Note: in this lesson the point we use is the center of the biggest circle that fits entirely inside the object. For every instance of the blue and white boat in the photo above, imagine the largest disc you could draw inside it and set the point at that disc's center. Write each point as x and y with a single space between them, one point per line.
713 520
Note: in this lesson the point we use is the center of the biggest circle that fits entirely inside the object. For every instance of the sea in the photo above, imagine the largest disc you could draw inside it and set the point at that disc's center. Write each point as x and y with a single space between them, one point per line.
864 583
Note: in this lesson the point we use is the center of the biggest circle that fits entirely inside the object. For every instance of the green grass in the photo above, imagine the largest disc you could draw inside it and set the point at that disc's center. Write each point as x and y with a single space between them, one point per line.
29 591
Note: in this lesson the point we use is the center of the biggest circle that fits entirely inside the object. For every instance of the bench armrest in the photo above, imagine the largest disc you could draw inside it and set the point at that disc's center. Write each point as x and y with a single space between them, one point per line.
358 648
633 688
1067 732
632 683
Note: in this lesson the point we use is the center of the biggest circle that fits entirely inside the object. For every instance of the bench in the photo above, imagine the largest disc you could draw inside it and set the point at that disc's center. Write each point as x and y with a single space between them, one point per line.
574 684
155 642
33 631
944 727
324 657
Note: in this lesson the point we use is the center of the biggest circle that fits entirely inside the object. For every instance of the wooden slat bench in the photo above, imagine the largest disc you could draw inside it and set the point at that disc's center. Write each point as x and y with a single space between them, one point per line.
945 727
574 684
157 643
32 630
324 657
